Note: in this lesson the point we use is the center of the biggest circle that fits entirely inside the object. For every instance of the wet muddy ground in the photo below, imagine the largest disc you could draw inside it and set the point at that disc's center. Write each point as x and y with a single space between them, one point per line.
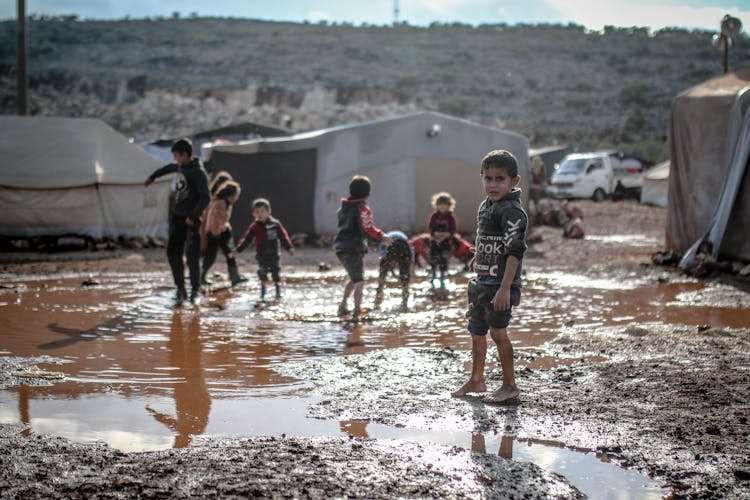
635 379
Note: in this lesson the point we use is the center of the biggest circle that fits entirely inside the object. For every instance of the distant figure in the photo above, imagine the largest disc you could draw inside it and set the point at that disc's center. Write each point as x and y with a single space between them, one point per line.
191 198
619 193
399 254
216 232
269 235
500 245
442 227
572 221
354 226
538 181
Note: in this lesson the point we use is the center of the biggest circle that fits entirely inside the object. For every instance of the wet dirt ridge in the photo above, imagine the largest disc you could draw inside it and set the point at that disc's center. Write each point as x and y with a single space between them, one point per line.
643 365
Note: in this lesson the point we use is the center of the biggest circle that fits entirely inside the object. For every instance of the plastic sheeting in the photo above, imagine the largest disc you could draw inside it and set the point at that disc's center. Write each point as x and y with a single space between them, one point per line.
709 193
63 176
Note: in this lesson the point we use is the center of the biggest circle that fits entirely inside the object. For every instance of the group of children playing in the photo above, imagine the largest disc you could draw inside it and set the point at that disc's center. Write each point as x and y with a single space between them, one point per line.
200 220
199 223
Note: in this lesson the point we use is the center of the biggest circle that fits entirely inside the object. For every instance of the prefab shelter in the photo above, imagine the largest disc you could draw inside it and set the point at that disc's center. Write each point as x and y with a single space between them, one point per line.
709 193
655 187
408 159
76 176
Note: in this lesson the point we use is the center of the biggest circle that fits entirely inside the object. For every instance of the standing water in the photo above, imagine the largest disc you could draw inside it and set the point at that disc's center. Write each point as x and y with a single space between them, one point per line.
141 376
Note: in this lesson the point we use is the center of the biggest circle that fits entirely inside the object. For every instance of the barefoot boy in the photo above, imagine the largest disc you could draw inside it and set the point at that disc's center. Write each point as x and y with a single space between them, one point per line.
500 245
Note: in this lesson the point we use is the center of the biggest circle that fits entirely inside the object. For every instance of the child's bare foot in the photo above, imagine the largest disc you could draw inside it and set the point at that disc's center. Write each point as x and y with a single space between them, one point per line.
343 311
470 386
503 395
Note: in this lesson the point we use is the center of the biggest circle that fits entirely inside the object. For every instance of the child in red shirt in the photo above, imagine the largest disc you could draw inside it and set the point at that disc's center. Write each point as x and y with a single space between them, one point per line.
268 234
442 227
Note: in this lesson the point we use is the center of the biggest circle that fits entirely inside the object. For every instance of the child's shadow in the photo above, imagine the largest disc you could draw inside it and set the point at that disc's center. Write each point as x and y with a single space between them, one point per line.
110 328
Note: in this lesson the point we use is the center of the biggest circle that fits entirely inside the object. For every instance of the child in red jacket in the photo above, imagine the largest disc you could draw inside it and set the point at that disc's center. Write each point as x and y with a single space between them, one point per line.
268 234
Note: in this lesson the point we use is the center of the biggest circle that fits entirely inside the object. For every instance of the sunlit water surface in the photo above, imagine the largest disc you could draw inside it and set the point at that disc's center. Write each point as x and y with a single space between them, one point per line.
140 375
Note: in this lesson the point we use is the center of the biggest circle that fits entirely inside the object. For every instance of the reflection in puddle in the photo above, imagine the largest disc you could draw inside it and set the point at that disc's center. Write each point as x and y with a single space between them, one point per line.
141 376
123 424
592 473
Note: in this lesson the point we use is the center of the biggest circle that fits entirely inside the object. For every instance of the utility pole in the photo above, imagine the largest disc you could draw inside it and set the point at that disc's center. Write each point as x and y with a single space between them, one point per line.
22 77
395 12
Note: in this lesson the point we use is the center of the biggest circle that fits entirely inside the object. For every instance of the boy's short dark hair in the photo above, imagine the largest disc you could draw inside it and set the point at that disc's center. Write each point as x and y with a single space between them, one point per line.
359 187
183 146
261 202
500 158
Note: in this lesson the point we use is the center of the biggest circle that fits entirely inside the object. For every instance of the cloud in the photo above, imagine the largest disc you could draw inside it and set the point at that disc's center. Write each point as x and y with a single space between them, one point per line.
452 8
640 13
318 15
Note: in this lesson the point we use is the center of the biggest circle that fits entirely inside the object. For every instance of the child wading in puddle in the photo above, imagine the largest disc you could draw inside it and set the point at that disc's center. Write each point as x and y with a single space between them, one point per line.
443 227
268 234
355 225
500 245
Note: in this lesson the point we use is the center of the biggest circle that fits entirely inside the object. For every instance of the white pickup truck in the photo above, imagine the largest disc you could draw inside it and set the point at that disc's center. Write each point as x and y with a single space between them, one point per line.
596 175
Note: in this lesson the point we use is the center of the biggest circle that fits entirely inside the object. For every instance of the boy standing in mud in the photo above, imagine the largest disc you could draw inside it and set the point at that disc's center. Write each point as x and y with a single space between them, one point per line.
500 245
191 198
354 227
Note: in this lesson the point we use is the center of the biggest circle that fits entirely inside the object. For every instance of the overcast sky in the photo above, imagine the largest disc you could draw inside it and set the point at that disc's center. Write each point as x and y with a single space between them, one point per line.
655 14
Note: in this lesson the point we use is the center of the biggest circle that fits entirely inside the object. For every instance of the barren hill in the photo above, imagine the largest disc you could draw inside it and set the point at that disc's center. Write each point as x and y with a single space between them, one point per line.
552 83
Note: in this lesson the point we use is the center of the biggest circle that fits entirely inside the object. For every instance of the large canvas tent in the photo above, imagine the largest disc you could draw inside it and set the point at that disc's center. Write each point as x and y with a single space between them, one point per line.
709 193
76 176
407 159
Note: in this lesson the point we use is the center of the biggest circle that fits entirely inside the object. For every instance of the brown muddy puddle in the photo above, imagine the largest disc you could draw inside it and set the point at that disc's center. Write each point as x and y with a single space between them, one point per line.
141 376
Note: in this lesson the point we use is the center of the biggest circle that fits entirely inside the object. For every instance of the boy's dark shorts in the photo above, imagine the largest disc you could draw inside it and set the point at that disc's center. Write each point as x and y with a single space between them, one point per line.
481 314
268 264
354 264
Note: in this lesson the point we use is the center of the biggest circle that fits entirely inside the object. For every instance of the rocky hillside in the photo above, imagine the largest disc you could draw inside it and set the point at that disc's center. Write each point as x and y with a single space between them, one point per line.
172 76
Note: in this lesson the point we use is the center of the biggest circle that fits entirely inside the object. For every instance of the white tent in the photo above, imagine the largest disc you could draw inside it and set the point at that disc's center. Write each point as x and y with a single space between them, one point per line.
709 145
656 185
407 158
76 176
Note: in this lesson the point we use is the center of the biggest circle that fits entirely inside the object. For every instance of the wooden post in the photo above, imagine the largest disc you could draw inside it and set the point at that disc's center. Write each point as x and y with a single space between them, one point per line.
22 77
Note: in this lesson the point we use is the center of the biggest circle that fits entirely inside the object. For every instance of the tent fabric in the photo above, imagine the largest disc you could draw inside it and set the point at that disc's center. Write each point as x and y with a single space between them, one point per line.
708 191
65 176
51 153
407 158
655 187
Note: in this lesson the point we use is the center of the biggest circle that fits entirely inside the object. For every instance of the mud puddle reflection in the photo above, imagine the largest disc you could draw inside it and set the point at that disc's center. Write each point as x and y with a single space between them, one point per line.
121 424
141 376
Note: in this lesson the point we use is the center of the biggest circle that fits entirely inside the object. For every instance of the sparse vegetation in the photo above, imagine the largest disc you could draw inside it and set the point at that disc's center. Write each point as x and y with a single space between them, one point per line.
549 82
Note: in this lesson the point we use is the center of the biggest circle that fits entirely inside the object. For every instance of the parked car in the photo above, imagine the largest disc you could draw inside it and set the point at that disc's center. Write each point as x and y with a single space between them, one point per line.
598 175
